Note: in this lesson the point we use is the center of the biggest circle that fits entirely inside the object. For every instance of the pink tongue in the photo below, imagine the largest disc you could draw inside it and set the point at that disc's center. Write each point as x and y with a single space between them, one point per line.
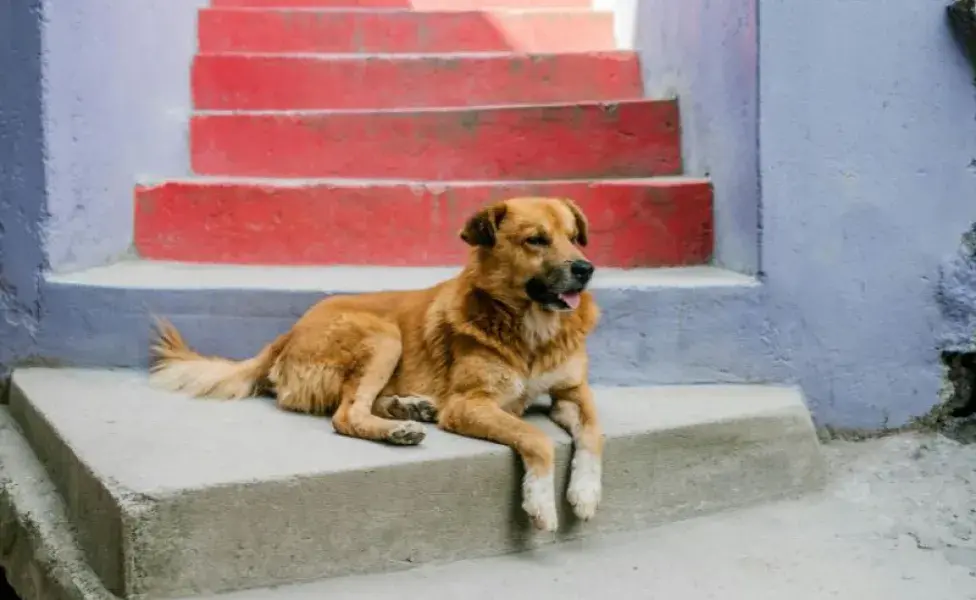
572 300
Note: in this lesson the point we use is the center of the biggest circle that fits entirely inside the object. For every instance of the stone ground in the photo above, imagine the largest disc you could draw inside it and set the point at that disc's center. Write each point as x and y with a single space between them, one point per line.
897 522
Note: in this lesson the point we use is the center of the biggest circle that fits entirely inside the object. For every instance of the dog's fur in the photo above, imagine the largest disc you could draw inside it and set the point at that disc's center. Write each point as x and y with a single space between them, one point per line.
468 354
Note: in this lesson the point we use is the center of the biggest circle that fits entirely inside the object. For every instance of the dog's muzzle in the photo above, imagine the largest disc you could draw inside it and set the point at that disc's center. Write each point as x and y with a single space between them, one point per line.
560 288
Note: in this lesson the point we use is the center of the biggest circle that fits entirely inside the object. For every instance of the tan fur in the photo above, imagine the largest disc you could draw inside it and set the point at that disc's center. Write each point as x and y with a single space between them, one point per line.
470 353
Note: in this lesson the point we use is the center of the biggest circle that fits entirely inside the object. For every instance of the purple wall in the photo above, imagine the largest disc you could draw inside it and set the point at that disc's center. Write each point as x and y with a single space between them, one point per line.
117 77
22 180
704 53
867 141
865 145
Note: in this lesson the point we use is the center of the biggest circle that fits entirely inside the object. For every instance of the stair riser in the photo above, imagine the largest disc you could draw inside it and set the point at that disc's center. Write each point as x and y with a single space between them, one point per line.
248 82
638 139
649 336
391 32
632 225
404 515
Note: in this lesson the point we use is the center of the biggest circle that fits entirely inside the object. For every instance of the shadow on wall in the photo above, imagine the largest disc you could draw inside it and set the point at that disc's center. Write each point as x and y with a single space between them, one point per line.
22 179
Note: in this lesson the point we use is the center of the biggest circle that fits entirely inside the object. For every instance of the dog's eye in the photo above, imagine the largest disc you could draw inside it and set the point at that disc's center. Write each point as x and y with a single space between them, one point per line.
537 240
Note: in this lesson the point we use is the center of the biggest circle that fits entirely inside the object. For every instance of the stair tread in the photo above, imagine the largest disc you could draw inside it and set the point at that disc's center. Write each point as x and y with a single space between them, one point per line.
215 180
606 104
412 5
228 480
419 56
157 442
381 10
188 276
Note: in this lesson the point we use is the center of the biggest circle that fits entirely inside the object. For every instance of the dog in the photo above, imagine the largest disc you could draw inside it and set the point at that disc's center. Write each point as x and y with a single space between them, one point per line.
468 354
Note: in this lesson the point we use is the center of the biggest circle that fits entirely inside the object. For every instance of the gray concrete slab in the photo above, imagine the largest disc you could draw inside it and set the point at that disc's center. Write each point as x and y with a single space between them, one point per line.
38 550
174 496
659 326
896 522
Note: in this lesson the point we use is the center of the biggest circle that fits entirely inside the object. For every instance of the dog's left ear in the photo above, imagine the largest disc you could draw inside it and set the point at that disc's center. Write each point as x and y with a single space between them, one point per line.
582 225
481 229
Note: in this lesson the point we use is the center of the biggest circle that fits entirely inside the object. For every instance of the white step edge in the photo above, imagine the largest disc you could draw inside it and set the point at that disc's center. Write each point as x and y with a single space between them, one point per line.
141 274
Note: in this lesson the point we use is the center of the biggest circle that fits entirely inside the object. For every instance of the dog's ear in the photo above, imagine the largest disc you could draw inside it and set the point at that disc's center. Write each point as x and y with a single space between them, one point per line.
481 228
582 225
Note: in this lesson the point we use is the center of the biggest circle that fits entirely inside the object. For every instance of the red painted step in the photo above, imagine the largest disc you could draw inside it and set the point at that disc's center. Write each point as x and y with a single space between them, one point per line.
627 139
634 223
245 30
290 82
406 4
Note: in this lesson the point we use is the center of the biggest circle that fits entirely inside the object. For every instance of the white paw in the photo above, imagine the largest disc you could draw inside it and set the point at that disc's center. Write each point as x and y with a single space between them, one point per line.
539 500
585 486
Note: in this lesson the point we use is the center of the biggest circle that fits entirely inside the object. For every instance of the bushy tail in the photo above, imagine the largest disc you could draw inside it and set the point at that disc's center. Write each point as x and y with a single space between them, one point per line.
178 368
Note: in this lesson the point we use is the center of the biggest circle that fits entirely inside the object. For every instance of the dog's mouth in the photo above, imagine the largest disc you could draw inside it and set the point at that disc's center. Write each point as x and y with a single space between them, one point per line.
552 298
571 300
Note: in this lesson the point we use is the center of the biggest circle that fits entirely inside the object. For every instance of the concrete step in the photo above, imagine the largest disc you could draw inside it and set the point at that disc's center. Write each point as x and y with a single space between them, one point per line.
682 325
41 556
249 81
639 138
390 31
174 496
405 4
636 222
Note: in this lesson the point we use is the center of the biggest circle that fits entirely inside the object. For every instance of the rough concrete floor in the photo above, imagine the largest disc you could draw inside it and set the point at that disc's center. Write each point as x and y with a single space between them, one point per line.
898 521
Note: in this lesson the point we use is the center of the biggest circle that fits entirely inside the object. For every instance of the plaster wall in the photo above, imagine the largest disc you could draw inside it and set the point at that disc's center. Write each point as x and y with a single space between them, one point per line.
861 127
117 105
22 182
867 138
704 52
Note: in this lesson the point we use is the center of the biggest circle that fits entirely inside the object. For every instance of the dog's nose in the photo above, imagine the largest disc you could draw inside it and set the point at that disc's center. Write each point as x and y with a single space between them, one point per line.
582 270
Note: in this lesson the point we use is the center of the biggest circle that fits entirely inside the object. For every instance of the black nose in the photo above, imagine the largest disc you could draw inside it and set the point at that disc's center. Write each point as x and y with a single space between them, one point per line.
582 270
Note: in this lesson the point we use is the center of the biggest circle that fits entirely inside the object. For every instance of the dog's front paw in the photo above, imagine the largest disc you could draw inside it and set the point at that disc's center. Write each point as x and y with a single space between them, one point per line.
420 408
585 485
539 500
408 433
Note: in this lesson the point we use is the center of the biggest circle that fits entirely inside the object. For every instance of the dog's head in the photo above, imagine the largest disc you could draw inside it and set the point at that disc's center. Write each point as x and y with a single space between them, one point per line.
531 249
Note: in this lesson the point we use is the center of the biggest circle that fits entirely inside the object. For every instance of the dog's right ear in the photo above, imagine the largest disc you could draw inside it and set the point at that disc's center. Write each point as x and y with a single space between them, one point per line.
481 229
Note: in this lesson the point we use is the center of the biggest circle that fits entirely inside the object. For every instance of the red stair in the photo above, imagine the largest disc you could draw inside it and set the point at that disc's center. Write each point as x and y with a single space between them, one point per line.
364 132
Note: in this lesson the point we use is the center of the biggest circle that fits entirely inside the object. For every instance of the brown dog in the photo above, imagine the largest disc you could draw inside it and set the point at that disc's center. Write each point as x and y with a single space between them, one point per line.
469 353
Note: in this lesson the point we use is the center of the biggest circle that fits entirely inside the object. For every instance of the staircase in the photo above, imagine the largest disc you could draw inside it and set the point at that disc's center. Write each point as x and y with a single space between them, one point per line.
337 147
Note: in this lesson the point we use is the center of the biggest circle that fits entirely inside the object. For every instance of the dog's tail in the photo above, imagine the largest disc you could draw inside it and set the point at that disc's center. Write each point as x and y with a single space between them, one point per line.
178 368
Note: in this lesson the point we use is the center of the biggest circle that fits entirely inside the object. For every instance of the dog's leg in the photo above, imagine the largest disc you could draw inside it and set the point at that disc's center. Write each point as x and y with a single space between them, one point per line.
573 410
406 408
483 418
355 417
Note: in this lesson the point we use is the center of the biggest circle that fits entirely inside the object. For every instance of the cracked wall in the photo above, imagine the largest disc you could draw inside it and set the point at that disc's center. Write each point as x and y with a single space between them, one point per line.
956 298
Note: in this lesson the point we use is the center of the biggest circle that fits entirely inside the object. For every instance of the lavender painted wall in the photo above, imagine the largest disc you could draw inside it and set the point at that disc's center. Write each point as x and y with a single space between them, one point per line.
117 105
867 135
704 53
21 178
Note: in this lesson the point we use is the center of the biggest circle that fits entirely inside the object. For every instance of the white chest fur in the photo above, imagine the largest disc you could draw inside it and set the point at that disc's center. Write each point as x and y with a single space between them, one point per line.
525 390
